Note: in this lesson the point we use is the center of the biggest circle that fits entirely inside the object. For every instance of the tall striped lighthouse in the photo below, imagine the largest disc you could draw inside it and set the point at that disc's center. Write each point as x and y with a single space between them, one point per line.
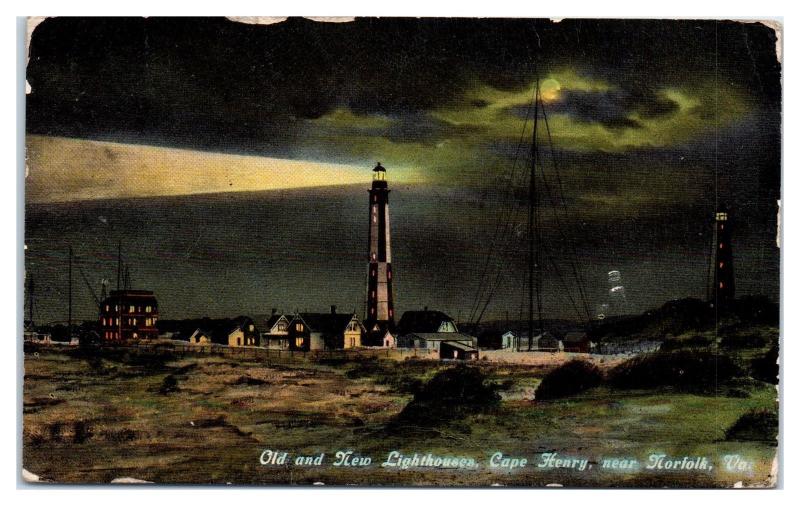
380 303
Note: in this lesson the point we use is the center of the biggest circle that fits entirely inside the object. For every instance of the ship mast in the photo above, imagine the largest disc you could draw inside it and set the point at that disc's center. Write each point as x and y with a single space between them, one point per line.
534 235
69 296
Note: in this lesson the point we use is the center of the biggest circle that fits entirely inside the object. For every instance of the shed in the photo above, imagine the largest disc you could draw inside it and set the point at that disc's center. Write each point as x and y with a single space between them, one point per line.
432 340
456 350
577 342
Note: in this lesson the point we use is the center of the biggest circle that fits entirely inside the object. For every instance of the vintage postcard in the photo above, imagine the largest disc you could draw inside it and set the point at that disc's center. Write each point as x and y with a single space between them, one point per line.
402 252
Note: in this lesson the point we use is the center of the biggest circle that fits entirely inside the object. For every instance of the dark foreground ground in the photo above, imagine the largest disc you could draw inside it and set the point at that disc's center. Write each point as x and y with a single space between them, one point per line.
207 420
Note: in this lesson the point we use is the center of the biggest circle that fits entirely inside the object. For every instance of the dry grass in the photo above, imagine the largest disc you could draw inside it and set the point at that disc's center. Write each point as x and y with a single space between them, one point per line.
207 419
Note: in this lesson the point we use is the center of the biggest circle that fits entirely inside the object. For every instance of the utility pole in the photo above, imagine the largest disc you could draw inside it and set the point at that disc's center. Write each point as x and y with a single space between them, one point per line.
30 302
69 296
119 262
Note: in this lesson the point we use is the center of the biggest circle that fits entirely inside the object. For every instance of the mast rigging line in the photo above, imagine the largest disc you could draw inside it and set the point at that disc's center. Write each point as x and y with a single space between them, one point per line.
576 273
559 227
501 269
534 220
506 218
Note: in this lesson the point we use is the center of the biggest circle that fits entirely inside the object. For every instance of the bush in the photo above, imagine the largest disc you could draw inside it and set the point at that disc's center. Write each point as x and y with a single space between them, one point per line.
696 341
738 393
82 431
450 394
169 385
766 368
757 309
692 370
756 425
245 380
569 379
739 341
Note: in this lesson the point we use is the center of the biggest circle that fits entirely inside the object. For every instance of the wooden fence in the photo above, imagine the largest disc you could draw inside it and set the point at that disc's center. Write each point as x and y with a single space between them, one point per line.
182 348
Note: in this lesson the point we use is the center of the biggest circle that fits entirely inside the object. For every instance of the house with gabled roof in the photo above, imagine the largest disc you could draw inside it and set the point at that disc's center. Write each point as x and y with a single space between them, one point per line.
425 321
239 331
325 331
276 335
202 336
428 329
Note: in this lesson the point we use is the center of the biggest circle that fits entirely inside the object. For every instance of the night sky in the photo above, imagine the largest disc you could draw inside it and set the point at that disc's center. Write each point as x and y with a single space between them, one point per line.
232 159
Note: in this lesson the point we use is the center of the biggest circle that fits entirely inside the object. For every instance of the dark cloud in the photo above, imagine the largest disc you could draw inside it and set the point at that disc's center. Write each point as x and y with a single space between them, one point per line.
218 84
613 108
422 128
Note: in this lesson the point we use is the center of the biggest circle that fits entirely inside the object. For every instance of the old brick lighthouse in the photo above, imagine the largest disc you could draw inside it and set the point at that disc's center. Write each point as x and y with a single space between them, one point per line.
379 318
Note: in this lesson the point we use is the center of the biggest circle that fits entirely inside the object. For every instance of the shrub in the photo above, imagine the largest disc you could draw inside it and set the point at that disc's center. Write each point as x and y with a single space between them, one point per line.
451 393
696 341
757 309
569 379
755 425
766 368
82 431
739 341
365 368
246 380
692 370
169 385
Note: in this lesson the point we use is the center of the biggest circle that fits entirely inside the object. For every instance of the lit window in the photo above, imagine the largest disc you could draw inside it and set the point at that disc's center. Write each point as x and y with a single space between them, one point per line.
104 321
721 245
298 343
299 327
250 328
106 307
721 284
148 309
721 265
131 309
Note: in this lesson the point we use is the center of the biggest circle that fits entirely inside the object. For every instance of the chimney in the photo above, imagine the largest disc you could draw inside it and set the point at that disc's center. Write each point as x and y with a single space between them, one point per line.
333 309
274 310
426 308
